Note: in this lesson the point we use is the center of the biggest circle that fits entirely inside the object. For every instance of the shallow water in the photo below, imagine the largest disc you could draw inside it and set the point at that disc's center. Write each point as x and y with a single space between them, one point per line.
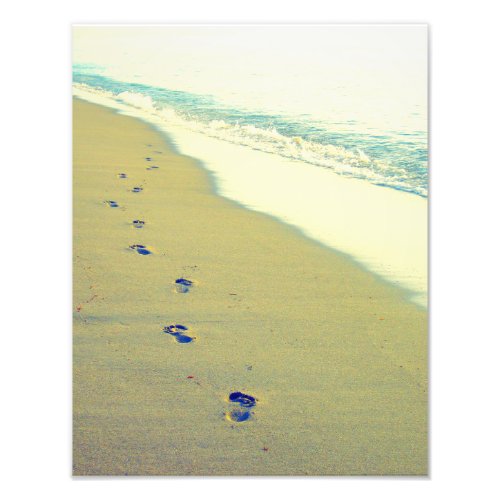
352 99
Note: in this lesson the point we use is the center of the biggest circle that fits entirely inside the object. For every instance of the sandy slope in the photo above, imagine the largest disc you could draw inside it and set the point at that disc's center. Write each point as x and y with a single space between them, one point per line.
336 358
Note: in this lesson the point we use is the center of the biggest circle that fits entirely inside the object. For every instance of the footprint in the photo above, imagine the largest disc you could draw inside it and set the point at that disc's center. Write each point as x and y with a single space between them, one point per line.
138 224
149 158
244 400
241 404
122 176
112 203
136 190
183 339
178 332
152 167
238 415
183 285
141 249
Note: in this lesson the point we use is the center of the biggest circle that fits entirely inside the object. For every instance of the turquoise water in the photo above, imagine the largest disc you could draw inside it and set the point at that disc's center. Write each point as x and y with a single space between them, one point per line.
392 158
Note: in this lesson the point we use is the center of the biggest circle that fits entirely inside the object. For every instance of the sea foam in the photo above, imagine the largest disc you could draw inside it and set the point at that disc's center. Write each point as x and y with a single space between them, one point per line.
386 160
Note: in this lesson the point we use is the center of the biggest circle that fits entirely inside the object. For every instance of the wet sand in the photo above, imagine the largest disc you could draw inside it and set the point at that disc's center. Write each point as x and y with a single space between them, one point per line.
336 358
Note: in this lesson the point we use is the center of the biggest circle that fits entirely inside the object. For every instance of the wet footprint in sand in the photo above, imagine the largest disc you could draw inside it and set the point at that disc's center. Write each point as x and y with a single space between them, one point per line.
122 176
183 285
148 159
112 203
240 407
138 224
152 167
136 190
140 249
244 400
179 333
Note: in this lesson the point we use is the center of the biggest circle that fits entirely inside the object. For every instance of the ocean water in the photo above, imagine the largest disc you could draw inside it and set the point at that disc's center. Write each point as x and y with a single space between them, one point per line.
323 127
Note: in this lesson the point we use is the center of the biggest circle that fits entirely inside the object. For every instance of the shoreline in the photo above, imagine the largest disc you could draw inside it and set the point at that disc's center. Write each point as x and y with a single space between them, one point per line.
389 239
405 292
264 297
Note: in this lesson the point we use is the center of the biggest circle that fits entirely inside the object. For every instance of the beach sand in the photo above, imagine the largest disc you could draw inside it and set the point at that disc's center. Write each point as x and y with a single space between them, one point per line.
336 358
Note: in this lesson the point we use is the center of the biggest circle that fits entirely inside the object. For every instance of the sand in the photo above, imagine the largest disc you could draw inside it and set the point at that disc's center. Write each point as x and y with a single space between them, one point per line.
336 358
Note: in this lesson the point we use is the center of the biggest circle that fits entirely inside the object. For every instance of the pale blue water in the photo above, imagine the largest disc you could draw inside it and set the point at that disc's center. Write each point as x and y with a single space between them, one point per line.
382 156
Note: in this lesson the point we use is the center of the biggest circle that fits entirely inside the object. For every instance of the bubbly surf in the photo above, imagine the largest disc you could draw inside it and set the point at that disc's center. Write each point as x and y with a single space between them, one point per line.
383 159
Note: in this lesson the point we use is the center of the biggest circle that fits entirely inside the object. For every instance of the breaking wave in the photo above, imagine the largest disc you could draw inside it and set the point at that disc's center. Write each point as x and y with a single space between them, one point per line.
395 161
